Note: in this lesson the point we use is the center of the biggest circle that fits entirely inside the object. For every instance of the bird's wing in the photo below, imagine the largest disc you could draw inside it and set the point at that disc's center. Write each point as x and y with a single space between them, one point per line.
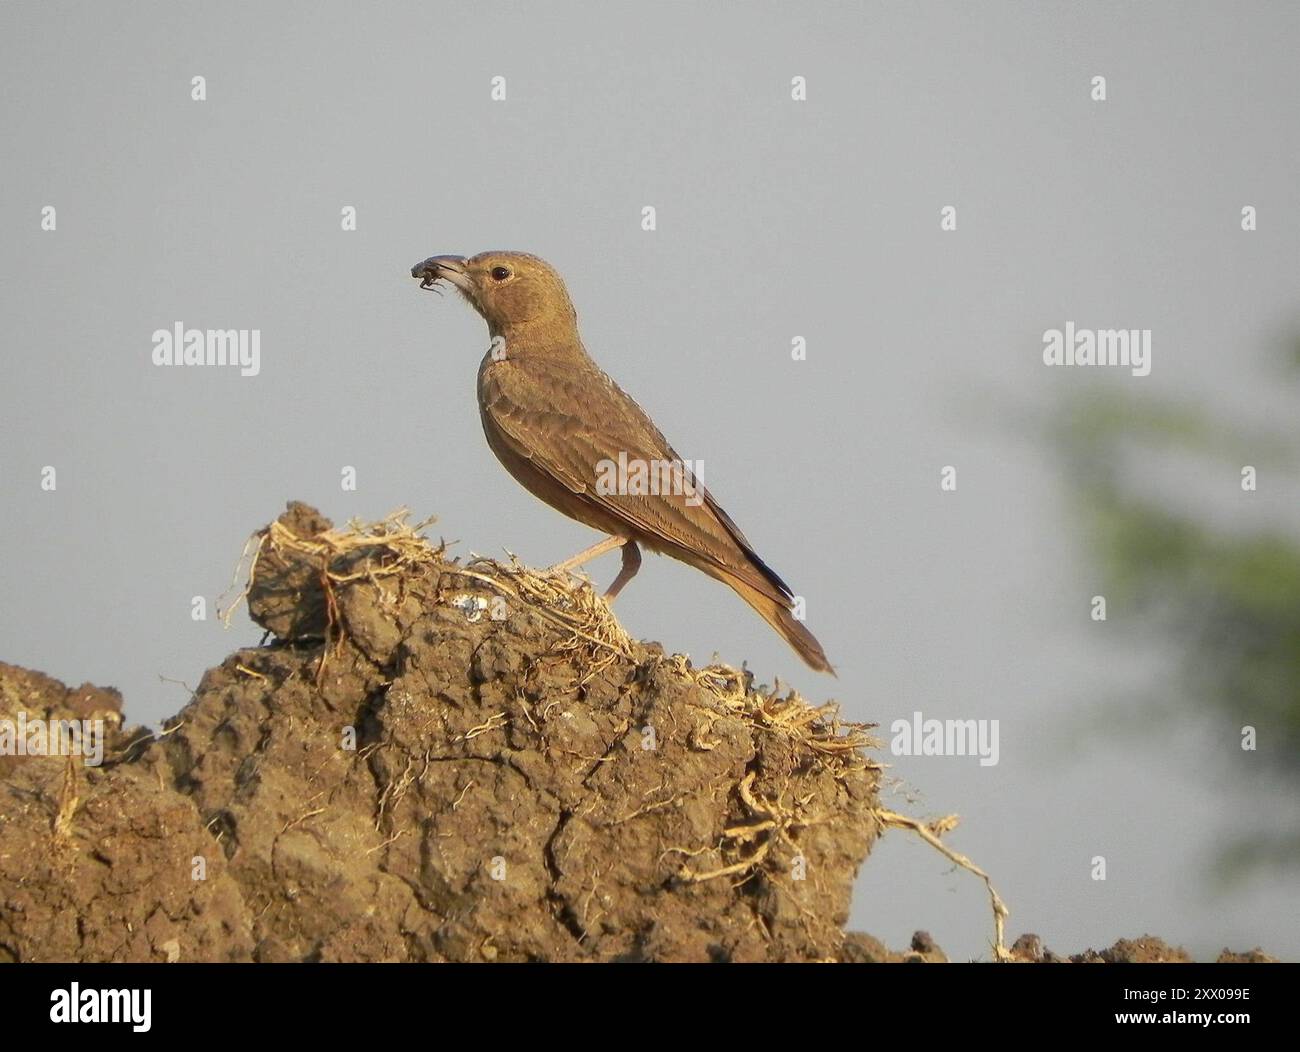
566 420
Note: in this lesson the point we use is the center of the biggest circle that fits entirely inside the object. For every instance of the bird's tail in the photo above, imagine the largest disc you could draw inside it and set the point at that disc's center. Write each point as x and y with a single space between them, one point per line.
777 614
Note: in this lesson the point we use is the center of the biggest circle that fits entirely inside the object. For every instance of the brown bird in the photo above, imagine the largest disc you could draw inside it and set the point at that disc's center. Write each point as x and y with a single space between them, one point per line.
572 437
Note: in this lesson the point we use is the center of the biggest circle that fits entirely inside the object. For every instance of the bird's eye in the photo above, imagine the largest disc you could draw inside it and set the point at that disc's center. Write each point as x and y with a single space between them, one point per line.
500 273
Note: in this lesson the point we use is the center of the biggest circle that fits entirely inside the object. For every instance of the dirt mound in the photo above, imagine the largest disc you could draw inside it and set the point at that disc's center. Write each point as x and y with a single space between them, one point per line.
1029 949
438 762
96 863
432 761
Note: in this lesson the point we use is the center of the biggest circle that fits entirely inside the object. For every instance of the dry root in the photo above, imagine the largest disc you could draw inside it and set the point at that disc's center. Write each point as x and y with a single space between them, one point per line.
930 832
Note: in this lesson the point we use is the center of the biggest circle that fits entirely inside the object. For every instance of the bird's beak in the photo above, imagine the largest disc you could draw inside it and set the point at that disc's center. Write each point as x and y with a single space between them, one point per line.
449 268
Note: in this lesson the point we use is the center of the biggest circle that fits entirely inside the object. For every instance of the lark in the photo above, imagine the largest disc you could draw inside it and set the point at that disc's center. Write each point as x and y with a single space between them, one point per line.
557 422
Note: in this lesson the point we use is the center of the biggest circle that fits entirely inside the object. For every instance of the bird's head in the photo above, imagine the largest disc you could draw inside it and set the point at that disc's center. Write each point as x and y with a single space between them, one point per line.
510 289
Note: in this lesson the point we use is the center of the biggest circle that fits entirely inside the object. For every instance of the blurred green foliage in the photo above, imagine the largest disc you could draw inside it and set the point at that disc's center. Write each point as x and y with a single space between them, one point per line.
1224 593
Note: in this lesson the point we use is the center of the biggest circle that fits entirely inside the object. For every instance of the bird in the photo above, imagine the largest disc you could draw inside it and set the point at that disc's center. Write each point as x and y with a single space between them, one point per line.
563 428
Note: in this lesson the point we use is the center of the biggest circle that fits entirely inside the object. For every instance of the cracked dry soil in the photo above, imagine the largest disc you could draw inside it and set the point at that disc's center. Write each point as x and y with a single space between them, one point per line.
463 778
440 762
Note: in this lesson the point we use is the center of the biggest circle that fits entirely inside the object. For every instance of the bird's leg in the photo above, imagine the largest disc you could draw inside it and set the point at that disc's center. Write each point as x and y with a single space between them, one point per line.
631 564
587 554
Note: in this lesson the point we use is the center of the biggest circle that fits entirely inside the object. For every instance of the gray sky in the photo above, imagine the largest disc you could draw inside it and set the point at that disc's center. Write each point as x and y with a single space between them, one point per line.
775 219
